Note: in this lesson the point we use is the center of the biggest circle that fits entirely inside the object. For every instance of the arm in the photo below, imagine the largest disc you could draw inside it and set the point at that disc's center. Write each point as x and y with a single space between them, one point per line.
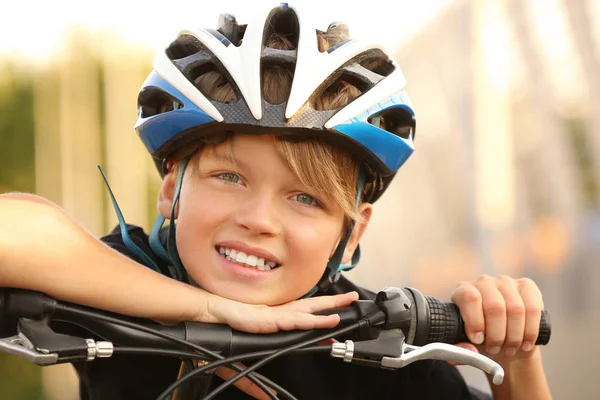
524 378
43 249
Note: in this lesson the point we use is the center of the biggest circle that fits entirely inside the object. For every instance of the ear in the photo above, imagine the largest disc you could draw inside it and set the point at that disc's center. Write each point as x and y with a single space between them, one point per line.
365 210
166 194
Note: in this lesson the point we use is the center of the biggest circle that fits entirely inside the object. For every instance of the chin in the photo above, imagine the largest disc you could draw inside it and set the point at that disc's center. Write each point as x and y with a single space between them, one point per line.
252 296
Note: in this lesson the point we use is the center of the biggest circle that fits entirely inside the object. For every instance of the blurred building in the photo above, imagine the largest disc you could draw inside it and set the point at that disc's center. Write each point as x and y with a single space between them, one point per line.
505 176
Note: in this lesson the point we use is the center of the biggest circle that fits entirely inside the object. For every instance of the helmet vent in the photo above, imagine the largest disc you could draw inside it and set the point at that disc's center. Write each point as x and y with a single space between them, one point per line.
339 93
153 101
282 25
229 28
378 65
184 46
276 82
396 120
213 83
280 42
336 35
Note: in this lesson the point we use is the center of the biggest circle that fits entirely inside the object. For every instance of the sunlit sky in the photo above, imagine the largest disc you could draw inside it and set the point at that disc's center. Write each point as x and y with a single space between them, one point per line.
34 28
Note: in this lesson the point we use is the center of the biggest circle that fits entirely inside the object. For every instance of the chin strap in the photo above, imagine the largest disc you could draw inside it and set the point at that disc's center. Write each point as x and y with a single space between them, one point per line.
334 268
124 233
170 255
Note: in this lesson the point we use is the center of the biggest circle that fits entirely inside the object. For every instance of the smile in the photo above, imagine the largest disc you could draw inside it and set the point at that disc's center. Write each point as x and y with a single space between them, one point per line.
247 260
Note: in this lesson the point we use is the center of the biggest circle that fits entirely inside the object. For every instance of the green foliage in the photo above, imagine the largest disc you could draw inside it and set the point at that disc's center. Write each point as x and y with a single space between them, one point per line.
19 379
17 169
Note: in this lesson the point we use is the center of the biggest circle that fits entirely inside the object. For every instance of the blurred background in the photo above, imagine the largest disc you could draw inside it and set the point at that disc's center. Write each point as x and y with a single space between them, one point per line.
505 178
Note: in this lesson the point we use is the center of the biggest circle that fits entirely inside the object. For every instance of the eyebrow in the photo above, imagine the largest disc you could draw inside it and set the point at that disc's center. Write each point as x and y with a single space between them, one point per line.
227 157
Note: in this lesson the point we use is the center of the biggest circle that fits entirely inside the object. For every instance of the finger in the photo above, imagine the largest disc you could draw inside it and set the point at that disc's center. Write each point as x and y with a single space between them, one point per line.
268 320
297 320
515 315
244 384
467 346
494 311
320 303
532 299
468 299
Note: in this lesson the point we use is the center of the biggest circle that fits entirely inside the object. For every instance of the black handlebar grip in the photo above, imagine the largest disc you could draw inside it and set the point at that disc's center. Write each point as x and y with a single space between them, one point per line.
447 326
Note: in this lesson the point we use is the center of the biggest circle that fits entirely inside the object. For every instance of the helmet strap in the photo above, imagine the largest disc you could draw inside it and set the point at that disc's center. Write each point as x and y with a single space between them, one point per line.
139 253
334 268
170 255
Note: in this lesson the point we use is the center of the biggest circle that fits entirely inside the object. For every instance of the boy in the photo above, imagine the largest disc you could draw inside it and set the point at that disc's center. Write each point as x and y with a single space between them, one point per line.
274 140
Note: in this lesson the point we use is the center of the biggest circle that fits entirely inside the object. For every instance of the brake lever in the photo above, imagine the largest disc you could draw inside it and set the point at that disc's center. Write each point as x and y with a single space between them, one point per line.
391 351
446 352
19 345
38 343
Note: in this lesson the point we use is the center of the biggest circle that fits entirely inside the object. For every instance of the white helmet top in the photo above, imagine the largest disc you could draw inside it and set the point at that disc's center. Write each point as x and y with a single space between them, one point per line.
174 111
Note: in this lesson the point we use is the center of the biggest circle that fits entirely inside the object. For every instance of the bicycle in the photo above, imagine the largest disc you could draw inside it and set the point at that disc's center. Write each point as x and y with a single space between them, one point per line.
397 328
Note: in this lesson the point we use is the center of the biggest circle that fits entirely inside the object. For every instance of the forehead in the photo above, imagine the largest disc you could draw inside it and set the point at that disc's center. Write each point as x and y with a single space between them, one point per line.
238 146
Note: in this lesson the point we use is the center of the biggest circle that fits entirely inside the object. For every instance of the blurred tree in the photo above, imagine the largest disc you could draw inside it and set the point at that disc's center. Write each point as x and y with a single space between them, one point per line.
19 379
17 170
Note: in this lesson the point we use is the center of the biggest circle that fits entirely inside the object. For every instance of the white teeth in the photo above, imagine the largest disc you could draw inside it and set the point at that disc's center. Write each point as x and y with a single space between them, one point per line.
248 260
241 257
251 260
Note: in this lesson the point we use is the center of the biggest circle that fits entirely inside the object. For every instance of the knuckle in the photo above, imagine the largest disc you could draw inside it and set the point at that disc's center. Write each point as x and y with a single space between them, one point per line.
526 282
495 308
469 295
515 309
533 311
484 279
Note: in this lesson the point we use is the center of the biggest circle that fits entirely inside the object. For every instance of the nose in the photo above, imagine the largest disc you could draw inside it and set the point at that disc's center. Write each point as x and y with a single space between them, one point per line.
258 214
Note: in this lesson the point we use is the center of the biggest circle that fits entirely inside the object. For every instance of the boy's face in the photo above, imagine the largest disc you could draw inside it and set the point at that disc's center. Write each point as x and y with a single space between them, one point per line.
243 198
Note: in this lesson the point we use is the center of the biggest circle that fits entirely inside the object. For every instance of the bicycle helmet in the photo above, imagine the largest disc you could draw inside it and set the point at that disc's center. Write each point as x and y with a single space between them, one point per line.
377 127
176 113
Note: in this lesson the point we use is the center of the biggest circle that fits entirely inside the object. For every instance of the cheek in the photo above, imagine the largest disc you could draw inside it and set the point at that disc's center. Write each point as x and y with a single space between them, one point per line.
199 216
320 240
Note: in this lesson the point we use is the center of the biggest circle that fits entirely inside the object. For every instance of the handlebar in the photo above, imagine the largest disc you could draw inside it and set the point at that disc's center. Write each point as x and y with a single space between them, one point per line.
386 332
422 319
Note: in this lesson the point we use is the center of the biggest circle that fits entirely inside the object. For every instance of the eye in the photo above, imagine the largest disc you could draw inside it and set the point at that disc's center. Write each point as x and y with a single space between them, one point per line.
306 199
229 177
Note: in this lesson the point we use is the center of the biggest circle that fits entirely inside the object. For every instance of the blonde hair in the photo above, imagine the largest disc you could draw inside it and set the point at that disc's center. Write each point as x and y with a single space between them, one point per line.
326 168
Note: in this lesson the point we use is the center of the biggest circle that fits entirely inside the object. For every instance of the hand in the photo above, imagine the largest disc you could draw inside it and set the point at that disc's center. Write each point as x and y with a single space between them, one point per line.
266 319
502 316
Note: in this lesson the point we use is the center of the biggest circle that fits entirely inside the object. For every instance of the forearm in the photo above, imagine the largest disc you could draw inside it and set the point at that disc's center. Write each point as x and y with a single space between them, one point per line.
524 379
43 249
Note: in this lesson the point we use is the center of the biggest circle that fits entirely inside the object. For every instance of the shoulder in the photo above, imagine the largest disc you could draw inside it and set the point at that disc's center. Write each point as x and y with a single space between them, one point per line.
115 240
137 235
